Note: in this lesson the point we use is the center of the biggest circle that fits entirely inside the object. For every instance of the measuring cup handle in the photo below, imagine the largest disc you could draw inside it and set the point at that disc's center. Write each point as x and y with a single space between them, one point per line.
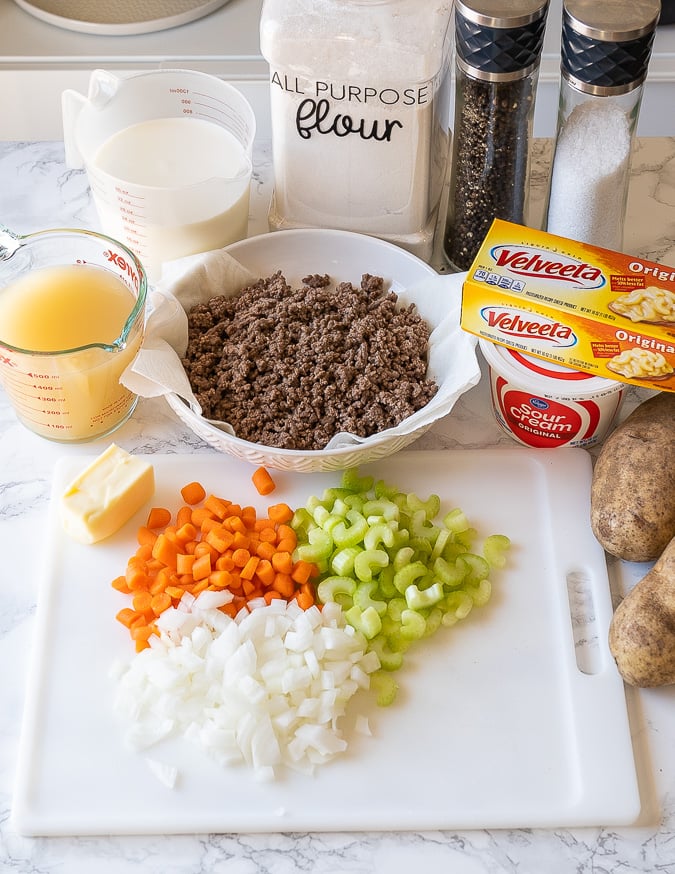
9 243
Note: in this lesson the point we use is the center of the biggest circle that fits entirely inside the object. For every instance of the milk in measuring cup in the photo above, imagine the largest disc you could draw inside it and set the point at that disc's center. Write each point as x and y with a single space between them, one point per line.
170 155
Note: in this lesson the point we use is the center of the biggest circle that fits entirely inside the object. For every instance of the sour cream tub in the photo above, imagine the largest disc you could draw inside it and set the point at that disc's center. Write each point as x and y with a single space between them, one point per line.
542 404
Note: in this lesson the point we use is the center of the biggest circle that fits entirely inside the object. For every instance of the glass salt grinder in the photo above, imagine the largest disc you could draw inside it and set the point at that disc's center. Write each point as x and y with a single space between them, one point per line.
497 54
605 53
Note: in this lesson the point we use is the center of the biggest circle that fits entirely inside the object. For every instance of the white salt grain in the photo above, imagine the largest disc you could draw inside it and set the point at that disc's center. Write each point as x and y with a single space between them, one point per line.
587 196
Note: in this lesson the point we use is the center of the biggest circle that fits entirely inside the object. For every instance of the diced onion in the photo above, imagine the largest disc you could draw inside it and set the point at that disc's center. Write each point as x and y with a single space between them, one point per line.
267 689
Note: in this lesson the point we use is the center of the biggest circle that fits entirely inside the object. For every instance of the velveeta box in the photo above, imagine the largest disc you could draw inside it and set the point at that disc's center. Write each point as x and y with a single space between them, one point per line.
590 309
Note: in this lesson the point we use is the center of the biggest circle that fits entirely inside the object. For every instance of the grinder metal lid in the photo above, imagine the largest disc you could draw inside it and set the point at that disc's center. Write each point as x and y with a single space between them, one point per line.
499 40
606 47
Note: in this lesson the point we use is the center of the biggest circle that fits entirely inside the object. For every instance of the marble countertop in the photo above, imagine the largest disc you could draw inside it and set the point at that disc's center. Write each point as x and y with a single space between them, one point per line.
38 191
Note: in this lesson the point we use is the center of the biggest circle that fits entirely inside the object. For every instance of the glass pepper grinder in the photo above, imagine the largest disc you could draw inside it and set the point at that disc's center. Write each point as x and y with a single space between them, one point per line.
497 54
605 53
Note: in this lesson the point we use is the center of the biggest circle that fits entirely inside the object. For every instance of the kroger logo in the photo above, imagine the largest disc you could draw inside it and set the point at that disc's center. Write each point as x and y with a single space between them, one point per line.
540 264
512 322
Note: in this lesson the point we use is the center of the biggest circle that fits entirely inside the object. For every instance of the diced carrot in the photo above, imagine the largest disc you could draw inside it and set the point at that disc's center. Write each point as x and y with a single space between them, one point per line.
217 506
204 548
120 583
212 543
302 571
199 514
158 517
265 550
251 590
174 592
142 603
184 563
280 513
282 562
284 585
263 481
225 562
160 603
305 600
144 551
202 567
265 572
285 532
249 569
165 551
240 557
267 534
136 578
287 544
240 540
220 579
186 532
220 538
237 525
183 516
158 585
193 493
126 616
145 536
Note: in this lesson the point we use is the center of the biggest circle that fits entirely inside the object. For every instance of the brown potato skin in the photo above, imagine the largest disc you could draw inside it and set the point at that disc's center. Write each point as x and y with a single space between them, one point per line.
633 487
642 630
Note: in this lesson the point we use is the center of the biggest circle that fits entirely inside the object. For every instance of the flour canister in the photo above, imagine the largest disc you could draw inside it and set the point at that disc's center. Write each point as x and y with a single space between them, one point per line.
544 405
360 102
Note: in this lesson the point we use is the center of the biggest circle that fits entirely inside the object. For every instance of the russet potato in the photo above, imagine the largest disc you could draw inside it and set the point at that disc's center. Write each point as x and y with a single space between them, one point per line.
633 487
642 630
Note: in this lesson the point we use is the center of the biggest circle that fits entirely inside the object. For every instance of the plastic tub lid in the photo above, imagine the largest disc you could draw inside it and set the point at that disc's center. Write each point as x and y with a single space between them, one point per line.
543 376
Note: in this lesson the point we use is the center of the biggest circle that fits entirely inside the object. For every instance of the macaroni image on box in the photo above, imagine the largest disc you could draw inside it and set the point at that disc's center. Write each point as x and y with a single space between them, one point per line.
591 309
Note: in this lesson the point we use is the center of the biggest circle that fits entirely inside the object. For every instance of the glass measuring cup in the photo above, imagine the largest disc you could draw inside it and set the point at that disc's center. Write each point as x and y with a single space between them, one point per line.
168 158
72 317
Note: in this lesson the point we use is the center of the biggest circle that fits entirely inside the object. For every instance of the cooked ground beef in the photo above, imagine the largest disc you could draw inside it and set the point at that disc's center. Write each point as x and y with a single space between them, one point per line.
290 368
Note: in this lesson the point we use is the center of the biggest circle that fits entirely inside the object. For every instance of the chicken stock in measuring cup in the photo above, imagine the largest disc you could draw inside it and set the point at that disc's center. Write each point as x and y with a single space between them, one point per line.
72 319
168 158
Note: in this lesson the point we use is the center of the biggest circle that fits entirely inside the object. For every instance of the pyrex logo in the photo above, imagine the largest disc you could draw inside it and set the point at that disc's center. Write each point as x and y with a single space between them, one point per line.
540 264
511 322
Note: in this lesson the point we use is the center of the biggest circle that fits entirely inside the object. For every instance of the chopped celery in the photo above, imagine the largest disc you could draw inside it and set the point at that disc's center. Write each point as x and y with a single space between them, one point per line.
477 568
342 561
380 533
385 687
350 534
330 589
366 621
456 521
408 574
369 560
413 625
398 572
495 548
363 597
417 600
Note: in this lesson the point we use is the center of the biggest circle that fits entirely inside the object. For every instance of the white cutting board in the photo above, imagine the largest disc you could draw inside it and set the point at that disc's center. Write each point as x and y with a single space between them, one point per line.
495 724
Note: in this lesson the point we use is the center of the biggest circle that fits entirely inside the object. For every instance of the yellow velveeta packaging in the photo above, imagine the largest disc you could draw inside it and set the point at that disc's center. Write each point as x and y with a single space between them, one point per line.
590 309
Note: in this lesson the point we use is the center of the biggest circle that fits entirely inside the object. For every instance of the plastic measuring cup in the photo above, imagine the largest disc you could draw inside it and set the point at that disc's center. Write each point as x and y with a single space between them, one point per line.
62 282
168 158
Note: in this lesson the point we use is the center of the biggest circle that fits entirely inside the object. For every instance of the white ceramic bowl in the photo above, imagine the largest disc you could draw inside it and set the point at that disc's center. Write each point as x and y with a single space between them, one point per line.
345 256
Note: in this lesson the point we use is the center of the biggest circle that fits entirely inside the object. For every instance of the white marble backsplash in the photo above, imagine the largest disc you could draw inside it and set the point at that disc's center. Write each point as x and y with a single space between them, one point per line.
37 191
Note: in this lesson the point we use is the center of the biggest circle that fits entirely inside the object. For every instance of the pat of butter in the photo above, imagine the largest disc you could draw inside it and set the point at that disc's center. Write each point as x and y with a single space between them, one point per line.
106 495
